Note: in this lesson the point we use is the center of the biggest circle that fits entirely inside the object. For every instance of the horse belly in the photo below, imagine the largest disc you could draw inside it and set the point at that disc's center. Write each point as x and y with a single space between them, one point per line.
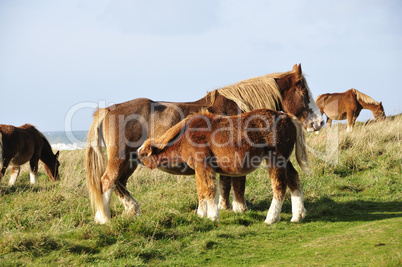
183 169
333 111
21 158
337 116
237 165
234 172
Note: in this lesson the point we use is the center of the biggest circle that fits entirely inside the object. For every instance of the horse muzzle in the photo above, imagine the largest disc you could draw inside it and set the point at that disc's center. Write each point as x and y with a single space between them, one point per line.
315 125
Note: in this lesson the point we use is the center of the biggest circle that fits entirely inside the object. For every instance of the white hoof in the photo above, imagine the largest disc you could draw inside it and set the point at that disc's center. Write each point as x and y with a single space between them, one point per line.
299 217
101 219
239 207
270 221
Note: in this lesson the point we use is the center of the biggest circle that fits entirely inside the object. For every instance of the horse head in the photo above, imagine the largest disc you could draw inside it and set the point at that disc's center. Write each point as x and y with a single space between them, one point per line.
145 153
298 100
52 169
379 113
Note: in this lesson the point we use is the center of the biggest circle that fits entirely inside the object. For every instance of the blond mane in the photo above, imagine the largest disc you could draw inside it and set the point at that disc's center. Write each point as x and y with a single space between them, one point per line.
364 98
256 93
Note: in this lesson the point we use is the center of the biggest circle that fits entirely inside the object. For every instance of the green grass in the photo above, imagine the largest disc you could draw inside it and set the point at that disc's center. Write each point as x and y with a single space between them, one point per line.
353 197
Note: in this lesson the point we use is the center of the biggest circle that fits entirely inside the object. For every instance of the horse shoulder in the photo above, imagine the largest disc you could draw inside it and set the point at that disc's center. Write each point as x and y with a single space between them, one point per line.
222 105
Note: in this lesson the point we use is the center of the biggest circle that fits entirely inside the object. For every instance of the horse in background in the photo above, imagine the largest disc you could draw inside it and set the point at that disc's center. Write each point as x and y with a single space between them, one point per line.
19 145
234 146
348 105
125 126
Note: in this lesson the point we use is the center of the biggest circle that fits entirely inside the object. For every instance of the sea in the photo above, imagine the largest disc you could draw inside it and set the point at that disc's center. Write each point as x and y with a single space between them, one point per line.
61 140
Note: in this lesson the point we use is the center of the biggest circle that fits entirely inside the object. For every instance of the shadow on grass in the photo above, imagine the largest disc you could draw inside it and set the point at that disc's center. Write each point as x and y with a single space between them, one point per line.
5 189
326 209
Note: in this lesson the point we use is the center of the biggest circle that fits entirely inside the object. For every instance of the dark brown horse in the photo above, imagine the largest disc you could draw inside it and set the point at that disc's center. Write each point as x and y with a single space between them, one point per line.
234 146
347 105
19 145
126 126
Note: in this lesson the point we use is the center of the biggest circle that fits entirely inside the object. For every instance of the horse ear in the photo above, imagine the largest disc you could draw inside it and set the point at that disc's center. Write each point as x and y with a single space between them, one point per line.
297 69
57 154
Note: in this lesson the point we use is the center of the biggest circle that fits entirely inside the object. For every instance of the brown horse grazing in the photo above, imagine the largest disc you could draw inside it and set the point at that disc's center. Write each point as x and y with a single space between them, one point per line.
234 146
347 105
19 145
126 126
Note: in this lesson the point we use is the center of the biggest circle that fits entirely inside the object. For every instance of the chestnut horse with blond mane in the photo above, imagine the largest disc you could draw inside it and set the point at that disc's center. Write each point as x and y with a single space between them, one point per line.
125 126
19 145
347 105
234 146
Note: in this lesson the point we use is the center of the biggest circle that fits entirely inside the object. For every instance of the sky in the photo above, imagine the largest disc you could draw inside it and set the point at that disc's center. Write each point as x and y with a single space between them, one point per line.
59 60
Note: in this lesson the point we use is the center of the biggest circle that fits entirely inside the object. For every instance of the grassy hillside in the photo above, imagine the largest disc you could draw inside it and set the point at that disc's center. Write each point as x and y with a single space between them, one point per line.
353 197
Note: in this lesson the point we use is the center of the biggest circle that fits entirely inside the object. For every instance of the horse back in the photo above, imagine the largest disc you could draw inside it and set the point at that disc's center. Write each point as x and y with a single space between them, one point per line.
20 143
142 118
336 105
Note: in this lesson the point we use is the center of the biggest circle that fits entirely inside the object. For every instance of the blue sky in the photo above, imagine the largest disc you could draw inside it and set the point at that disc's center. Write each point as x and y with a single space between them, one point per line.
59 59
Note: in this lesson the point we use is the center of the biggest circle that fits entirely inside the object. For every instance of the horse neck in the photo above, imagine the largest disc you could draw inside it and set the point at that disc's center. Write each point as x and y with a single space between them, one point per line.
370 106
167 152
284 84
47 156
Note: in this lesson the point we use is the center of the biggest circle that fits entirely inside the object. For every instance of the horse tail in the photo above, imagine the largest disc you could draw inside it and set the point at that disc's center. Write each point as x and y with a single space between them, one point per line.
96 160
301 150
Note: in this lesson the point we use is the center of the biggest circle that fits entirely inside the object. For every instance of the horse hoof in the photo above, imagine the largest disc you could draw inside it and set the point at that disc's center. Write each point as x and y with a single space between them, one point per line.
239 207
100 219
132 212
214 218
224 207
299 217
272 221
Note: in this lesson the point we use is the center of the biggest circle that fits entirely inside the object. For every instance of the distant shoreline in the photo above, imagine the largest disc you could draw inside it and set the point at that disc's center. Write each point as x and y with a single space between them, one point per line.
61 140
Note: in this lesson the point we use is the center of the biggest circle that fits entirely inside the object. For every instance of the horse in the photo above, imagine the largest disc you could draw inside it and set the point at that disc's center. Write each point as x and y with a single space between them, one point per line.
234 146
347 105
19 145
124 127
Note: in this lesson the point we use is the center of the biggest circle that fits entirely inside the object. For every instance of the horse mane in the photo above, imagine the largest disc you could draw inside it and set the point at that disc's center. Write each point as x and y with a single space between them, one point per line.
162 141
33 130
45 141
256 93
364 98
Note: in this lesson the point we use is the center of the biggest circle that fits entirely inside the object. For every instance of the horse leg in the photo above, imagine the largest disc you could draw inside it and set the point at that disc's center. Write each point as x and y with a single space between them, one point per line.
103 214
239 187
131 205
224 192
33 164
329 122
278 183
108 184
3 167
298 210
206 190
353 121
350 123
202 204
15 171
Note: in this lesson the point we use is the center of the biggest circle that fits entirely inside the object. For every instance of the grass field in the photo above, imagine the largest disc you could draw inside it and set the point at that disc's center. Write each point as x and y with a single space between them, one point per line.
353 197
